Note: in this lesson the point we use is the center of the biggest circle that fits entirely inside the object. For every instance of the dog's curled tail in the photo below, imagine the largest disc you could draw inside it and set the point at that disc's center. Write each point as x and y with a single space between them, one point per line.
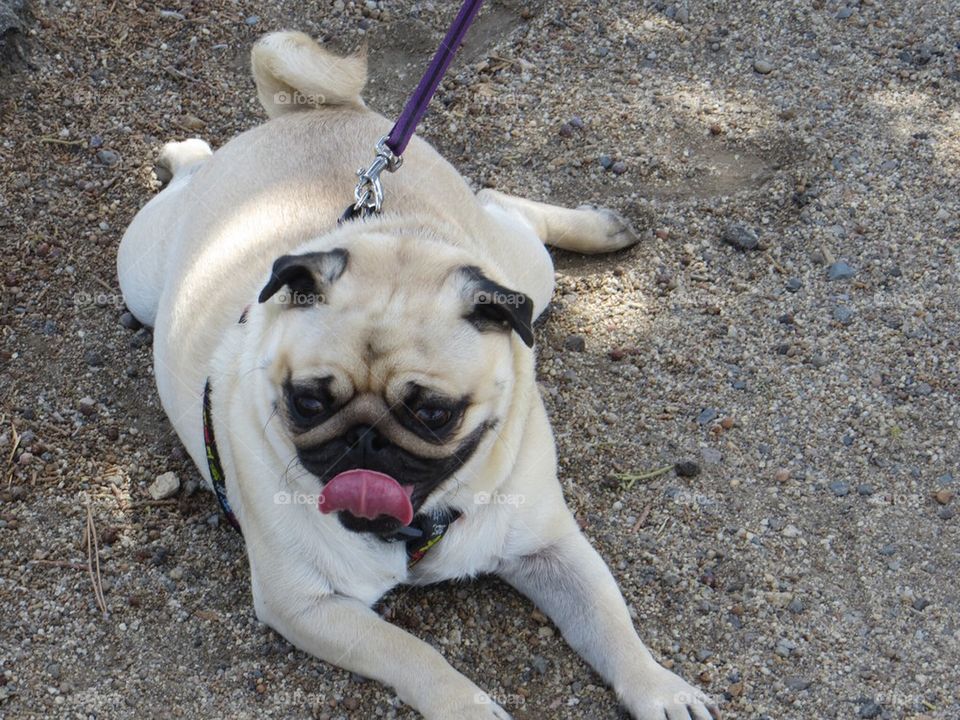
292 72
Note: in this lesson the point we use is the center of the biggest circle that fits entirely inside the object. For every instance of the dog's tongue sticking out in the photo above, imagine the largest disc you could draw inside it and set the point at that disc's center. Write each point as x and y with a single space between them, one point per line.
367 494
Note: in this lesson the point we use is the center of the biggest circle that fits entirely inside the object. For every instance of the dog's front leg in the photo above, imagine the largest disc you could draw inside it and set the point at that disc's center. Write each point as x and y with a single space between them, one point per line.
569 581
345 632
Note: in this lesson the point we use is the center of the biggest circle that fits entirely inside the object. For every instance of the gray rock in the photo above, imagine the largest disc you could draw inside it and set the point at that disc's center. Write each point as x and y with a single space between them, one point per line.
844 12
870 709
618 168
540 664
839 488
946 513
711 456
605 162
93 358
704 654
888 550
707 415
741 237
576 343
796 606
785 647
87 406
794 284
843 315
865 489
165 486
129 321
763 67
108 157
840 270
797 684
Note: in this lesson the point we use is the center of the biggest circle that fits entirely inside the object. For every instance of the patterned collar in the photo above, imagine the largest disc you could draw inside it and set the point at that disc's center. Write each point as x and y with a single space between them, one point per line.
423 533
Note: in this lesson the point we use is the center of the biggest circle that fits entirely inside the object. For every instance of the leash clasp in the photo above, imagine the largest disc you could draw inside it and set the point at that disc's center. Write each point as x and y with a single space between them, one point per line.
368 195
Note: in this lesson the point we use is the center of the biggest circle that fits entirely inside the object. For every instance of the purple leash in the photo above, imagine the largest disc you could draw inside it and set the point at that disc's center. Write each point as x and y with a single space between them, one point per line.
368 195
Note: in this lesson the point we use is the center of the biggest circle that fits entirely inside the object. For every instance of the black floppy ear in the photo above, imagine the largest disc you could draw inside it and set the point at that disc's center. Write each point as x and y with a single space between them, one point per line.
491 306
306 276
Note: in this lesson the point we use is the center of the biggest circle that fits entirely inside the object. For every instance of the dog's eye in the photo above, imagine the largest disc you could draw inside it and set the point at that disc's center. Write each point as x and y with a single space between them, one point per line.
308 407
433 417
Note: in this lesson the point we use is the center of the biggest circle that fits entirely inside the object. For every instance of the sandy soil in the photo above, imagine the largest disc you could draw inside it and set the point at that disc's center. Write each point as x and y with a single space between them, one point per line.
807 569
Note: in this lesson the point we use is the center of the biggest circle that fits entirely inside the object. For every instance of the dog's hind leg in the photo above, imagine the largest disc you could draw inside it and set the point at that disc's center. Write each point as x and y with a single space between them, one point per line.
584 230
141 259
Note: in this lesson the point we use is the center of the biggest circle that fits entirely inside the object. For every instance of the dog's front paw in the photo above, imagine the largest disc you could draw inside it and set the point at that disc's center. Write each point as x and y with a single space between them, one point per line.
661 695
478 707
614 231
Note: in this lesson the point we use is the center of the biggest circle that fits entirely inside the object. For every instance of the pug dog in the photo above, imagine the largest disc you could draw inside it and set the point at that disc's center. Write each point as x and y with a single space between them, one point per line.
362 393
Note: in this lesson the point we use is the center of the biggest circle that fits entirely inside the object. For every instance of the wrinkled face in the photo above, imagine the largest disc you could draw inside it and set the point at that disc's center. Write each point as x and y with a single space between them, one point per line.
392 364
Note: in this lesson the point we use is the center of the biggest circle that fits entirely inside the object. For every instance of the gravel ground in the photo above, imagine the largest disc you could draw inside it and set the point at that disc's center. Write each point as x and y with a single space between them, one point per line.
788 330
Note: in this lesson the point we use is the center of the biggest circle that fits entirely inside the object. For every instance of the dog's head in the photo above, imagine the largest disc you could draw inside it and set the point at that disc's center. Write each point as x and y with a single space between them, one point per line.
392 363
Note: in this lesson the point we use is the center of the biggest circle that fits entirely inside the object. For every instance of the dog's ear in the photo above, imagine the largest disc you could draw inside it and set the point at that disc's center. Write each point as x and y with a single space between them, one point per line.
491 306
306 276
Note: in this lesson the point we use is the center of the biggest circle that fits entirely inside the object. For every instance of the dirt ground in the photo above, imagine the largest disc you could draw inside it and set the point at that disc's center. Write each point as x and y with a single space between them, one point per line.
788 327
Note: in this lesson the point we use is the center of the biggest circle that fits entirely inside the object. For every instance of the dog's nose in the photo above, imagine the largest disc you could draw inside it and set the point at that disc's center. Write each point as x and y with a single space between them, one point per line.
366 440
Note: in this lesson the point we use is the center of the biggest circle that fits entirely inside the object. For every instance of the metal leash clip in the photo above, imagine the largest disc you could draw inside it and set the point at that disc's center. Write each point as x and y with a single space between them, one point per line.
368 195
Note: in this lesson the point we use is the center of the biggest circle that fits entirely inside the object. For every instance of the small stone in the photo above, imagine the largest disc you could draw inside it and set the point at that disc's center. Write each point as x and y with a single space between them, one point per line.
889 165
108 157
686 468
923 389
946 513
843 315
797 684
741 237
566 130
796 606
865 490
839 488
707 415
540 664
605 162
840 271
87 406
727 423
794 285
129 321
577 122
791 531
575 343
782 475
165 486
545 632
920 604
176 573
252 20
618 168
844 12
785 647
763 67
870 709
703 654
888 550
943 496
818 361
711 456
93 358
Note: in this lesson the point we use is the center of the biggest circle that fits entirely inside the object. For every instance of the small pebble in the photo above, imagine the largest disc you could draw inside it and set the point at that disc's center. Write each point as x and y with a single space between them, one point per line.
108 157
741 237
87 406
870 709
840 271
605 162
618 168
575 343
165 486
707 415
93 358
943 496
686 468
763 67
839 488
794 285
865 490
843 315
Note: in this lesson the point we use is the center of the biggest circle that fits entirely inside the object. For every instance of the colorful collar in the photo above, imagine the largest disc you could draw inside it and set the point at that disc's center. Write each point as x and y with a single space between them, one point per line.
422 534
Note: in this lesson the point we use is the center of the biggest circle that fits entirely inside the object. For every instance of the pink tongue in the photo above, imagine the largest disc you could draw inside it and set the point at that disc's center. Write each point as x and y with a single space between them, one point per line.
367 494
